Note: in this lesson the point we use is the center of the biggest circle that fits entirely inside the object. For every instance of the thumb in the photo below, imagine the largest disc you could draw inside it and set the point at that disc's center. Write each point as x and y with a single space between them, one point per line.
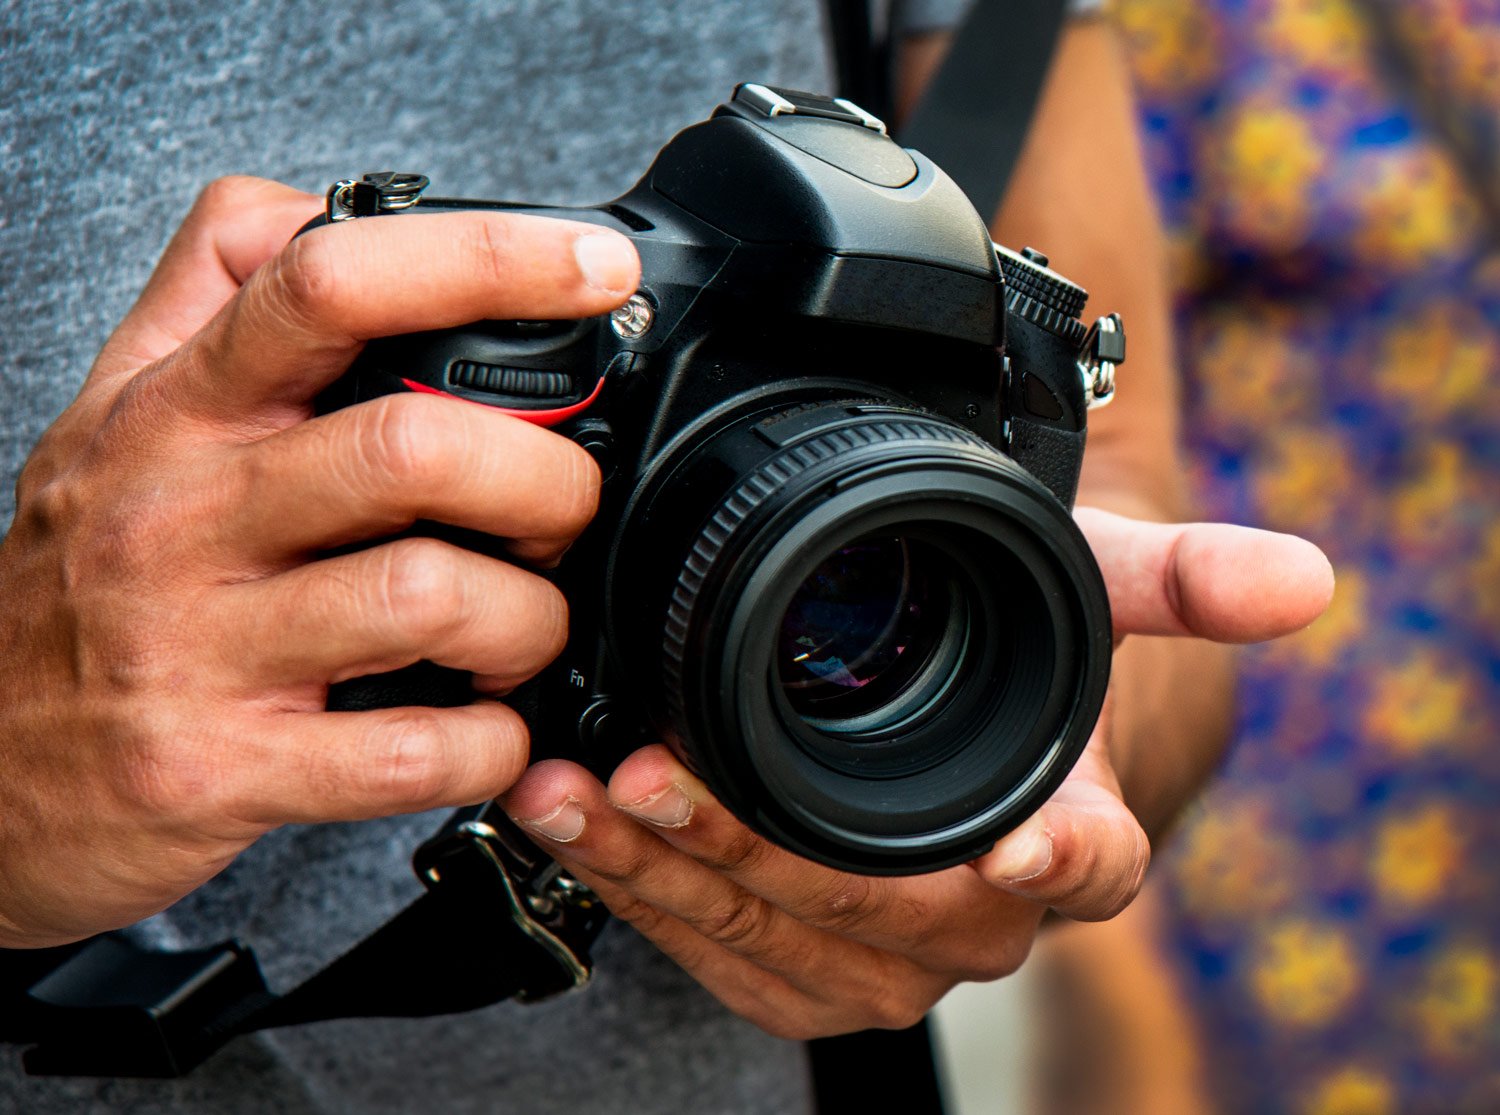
1083 853
1227 583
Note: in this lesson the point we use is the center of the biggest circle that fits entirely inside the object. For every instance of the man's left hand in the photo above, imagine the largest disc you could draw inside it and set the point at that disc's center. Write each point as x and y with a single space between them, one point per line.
804 950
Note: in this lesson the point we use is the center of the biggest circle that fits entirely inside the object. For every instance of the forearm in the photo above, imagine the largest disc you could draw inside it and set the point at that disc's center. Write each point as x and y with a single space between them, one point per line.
1173 712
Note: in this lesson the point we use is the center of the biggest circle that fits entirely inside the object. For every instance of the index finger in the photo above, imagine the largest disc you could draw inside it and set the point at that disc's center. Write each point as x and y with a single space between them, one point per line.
302 318
933 914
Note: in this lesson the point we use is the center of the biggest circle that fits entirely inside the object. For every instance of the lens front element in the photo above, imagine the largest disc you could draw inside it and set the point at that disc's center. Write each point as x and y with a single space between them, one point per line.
872 637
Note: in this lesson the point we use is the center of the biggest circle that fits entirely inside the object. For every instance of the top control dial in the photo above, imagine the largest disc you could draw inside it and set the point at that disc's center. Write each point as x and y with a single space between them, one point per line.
1040 295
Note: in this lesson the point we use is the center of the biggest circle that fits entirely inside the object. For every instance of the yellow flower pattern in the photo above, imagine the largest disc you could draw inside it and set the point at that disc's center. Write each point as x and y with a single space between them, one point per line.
1173 43
1414 210
1336 897
1421 704
1266 167
1304 478
1417 856
1438 362
1233 863
1325 36
1306 974
1457 1007
1353 1091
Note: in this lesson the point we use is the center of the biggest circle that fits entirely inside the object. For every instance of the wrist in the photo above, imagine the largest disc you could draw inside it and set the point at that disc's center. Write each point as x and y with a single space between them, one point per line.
1173 715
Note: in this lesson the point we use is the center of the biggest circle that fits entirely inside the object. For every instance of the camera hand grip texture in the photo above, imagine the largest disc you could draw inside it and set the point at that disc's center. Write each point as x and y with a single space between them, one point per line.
421 683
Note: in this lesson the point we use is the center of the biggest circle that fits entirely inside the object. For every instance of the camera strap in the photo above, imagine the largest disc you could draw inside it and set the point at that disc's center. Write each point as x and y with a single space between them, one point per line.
973 118
498 919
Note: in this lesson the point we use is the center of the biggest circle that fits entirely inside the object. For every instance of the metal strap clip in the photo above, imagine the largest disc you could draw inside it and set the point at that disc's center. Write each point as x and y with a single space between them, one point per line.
1102 351
385 191
556 912
773 102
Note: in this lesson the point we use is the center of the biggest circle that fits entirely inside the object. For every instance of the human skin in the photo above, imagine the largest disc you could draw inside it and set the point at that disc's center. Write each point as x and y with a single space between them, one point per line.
173 630
170 631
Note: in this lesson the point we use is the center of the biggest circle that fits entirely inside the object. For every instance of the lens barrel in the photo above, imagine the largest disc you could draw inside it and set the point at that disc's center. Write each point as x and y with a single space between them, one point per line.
880 641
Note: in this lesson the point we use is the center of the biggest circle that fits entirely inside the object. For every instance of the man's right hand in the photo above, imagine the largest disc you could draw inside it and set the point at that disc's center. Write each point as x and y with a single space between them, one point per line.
170 629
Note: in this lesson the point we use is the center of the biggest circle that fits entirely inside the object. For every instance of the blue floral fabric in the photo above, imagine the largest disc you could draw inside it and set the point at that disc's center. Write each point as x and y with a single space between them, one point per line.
1336 898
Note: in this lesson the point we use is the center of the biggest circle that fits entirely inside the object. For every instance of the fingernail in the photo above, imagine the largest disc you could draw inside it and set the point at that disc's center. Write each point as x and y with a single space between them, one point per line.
668 809
1025 853
564 824
607 262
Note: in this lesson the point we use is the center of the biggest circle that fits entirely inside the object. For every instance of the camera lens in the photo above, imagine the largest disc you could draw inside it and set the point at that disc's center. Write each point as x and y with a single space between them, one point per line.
879 640
871 638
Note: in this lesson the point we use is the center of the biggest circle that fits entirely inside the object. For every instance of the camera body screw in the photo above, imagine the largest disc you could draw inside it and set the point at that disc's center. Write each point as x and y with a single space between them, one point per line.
634 318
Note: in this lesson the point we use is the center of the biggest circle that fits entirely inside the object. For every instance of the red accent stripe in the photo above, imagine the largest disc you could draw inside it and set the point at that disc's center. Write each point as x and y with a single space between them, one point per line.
538 417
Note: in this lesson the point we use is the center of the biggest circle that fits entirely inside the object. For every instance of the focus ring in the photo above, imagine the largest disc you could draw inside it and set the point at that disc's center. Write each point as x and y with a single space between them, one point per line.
751 493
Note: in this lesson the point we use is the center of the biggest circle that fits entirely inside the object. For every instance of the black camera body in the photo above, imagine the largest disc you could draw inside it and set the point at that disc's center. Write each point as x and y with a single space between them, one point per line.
840 431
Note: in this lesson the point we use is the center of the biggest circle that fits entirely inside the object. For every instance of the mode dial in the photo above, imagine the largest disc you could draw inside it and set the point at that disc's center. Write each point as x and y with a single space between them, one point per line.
1039 294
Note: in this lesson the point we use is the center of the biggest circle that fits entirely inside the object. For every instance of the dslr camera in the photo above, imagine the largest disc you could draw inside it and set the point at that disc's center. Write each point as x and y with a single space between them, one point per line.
840 432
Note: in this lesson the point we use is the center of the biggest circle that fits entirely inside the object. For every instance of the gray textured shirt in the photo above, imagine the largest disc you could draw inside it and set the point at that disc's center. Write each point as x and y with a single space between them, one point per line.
112 116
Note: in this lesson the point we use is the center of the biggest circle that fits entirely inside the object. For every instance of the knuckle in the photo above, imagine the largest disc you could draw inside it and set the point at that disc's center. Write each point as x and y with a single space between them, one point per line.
104 511
847 904
226 196
1128 884
41 470
580 490
646 919
549 622
490 245
742 921
401 442
245 476
1099 883
509 747
420 589
894 1008
48 504
1073 862
306 280
742 853
406 762
627 866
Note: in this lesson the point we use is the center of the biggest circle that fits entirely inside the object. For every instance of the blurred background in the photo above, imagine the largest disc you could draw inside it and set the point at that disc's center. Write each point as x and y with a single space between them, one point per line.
1321 936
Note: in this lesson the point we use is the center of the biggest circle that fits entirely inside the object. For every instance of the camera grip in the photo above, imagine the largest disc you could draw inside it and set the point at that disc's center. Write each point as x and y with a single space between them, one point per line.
421 683
1051 454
